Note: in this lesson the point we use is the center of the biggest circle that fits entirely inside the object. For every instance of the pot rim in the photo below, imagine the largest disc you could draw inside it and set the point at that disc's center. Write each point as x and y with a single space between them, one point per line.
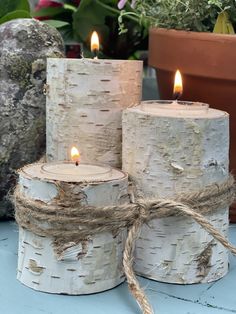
197 54
192 34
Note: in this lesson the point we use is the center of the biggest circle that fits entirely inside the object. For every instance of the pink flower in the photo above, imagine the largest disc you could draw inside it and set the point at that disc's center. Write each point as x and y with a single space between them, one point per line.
47 3
122 3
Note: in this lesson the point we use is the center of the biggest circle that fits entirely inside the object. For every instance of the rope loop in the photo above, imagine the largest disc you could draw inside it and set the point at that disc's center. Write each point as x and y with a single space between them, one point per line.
143 209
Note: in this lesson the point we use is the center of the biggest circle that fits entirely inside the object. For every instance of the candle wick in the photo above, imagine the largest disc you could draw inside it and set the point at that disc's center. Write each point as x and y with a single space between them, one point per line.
177 96
76 163
95 54
175 101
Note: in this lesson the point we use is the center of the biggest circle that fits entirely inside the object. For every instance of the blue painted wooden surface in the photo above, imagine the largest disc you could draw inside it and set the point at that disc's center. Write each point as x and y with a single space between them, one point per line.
218 297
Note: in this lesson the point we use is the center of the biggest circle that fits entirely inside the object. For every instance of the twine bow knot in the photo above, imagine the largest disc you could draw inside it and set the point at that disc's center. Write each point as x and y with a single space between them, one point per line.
144 210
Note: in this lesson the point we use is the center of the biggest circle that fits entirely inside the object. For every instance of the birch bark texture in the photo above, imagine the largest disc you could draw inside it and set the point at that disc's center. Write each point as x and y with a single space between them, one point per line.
91 266
85 101
169 151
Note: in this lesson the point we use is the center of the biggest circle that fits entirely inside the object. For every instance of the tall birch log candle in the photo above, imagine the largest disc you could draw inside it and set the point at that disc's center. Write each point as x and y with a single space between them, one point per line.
85 100
82 267
171 148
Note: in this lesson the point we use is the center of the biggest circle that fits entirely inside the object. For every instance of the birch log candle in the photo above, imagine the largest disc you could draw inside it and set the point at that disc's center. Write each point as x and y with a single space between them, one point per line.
171 148
75 265
85 100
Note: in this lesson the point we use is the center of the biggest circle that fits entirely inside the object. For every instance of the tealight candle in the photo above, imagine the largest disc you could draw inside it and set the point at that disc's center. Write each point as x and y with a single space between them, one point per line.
92 265
175 108
74 171
67 171
85 100
171 148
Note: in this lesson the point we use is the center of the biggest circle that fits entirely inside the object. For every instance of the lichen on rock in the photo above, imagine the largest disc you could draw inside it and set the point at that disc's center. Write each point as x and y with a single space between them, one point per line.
25 45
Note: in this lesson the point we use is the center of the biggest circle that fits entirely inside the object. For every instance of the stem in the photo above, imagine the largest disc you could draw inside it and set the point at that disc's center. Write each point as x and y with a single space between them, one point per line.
131 15
108 7
127 14
69 7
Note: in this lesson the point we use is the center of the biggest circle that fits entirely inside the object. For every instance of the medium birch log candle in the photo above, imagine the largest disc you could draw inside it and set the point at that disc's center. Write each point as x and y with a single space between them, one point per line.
171 148
85 99
76 267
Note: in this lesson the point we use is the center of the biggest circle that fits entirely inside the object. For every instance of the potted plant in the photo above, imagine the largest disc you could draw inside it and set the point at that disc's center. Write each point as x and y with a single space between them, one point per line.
198 38
77 19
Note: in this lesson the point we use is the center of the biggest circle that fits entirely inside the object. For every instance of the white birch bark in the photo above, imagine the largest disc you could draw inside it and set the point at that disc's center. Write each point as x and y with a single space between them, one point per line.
91 266
85 100
168 152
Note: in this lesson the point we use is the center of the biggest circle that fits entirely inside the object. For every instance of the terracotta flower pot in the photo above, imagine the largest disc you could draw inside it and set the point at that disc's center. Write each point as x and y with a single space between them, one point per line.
208 64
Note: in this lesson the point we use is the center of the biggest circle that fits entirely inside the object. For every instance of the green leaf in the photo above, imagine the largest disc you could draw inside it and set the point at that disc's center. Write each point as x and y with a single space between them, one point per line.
223 24
7 6
70 7
14 15
48 11
67 33
56 23
90 15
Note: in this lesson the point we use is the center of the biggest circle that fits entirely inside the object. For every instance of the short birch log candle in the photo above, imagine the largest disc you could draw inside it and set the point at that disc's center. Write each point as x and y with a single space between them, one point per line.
75 266
171 148
85 100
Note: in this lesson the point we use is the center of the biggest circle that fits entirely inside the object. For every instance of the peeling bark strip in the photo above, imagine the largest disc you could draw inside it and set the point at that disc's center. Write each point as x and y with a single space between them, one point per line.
169 154
80 267
34 268
85 100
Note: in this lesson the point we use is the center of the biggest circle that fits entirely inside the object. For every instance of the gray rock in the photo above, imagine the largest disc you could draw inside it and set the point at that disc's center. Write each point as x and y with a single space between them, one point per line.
24 46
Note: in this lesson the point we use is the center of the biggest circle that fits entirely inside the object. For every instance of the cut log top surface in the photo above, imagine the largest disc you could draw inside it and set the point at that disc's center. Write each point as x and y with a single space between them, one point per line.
173 109
93 62
102 174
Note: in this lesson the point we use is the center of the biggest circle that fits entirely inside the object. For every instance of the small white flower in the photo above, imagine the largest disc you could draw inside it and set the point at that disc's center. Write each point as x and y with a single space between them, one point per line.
133 4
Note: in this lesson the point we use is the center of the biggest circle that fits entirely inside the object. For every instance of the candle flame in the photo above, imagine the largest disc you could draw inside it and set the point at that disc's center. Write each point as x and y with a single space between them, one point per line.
94 42
178 86
75 155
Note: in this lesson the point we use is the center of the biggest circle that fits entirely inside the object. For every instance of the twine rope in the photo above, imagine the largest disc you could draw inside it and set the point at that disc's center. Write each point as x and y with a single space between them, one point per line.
68 219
